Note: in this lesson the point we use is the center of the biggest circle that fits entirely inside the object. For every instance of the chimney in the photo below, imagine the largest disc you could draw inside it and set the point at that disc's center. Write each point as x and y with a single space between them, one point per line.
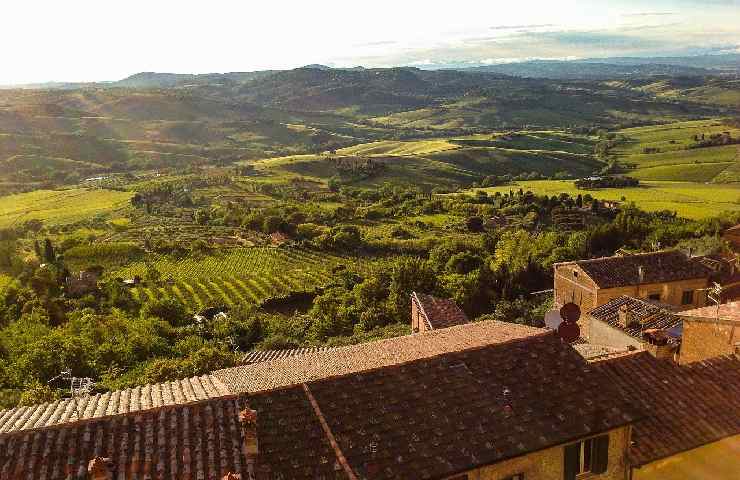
626 317
250 447
640 274
99 469
655 342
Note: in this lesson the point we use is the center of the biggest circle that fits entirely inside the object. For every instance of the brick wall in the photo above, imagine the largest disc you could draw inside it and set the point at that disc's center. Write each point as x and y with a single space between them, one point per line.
706 338
548 464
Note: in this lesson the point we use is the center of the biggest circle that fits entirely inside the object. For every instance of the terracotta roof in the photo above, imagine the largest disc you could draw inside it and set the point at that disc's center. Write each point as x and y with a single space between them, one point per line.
436 417
284 372
687 406
658 267
257 356
399 421
439 312
649 315
196 441
112 403
726 311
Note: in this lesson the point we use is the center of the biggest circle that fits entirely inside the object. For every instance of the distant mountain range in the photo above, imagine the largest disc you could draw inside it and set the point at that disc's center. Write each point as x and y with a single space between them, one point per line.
615 68
586 69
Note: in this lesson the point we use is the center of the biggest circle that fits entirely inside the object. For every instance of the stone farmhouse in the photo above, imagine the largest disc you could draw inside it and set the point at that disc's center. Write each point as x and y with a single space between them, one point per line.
668 277
486 400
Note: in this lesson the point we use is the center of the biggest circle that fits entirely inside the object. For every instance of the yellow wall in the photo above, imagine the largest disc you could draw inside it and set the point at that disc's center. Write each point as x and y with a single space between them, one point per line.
716 461
548 464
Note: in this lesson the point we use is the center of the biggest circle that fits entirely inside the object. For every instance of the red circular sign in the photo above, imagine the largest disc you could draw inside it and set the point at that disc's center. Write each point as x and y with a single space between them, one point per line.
570 312
569 332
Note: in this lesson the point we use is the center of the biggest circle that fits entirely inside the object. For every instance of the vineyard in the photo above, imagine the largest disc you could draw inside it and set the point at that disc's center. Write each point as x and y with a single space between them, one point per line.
56 207
244 275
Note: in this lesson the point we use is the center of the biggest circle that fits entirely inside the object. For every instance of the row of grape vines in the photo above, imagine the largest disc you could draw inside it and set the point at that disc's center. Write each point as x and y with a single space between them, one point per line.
247 275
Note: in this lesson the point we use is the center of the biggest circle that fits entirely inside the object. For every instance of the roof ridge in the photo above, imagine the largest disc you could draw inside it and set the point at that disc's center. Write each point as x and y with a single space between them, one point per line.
144 411
329 434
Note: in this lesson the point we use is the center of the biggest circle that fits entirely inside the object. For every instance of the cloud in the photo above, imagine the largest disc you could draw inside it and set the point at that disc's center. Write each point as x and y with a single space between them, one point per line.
593 39
379 43
522 27
648 14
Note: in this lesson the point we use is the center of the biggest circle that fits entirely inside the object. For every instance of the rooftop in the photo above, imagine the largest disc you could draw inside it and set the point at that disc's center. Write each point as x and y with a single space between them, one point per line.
258 356
179 392
289 371
726 311
404 420
687 406
439 312
649 315
657 267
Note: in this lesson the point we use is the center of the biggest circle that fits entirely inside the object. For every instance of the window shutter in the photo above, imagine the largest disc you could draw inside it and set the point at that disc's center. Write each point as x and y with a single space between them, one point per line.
571 461
601 454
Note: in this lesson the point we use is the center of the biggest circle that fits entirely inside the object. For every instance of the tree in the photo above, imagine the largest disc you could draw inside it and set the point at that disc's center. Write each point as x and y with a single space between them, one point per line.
167 309
474 224
49 254
37 393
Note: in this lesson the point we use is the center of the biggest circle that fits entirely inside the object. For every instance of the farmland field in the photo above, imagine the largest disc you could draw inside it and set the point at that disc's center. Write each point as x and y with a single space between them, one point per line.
56 207
244 275
672 159
390 147
691 200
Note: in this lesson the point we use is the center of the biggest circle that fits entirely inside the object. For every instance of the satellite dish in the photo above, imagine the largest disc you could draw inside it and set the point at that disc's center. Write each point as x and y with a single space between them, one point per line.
553 319
569 332
570 312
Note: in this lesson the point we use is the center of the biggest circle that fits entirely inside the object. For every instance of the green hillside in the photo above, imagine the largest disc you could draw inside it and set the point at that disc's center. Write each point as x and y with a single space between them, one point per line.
673 152
691 200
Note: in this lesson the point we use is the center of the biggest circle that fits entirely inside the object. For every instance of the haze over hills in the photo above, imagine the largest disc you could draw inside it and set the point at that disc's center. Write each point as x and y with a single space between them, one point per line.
586 68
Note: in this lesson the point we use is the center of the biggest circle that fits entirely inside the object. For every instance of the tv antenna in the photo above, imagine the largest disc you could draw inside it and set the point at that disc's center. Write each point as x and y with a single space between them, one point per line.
78 387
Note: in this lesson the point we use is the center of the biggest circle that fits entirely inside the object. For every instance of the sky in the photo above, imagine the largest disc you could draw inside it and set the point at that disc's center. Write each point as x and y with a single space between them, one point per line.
87 40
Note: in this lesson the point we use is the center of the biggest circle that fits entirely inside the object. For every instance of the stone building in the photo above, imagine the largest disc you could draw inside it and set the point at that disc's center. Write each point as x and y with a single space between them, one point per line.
430 313
710 332
622 323
668 277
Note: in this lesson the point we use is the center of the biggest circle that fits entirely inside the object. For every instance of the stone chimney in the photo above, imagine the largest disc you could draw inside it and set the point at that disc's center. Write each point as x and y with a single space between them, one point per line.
656 343
250 447
99 469
626 317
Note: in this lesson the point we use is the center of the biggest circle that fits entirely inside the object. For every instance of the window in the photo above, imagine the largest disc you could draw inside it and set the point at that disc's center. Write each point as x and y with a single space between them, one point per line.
587 456
687 298
654 296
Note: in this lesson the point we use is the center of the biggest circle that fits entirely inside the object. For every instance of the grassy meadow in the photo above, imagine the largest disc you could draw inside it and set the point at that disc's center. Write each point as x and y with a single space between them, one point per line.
55 207
674 160
690 200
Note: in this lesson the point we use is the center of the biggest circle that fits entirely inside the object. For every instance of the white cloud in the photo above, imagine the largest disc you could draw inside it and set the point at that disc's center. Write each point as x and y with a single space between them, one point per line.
81 40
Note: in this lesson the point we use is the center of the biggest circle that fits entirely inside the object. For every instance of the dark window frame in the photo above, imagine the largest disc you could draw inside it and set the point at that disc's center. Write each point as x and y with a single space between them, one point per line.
587 456
687 297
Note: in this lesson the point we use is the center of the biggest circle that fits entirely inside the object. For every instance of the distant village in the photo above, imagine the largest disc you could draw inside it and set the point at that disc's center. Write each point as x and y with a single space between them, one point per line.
635 376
